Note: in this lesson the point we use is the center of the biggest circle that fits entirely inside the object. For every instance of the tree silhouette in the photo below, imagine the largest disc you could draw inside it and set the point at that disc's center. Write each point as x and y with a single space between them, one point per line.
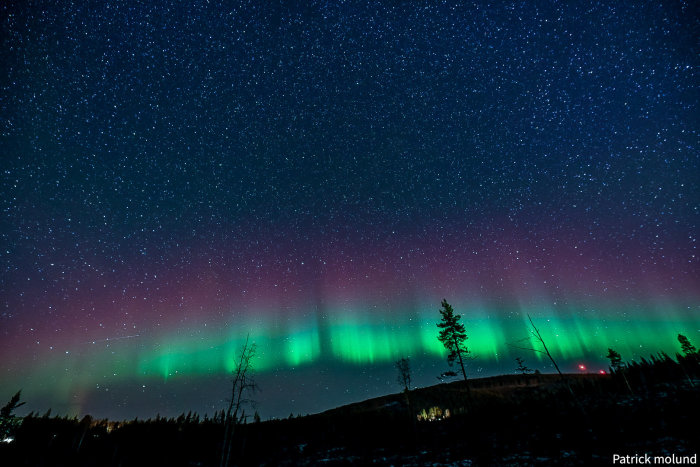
536 334
618 367
242 384
686 346
452 335
545 350
403 365
615 360
7 420
522 368
690 361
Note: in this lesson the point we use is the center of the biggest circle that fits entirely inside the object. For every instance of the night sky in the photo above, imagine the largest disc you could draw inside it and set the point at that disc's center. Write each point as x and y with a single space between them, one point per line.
176 177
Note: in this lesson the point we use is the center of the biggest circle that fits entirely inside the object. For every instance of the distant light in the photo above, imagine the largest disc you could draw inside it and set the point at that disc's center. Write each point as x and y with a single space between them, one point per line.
582 367
8 440
602 372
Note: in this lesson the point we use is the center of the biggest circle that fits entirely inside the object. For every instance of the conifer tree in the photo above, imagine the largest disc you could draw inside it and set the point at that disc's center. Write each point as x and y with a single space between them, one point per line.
522 368
615 360
686 346
617 366
7 419
452 335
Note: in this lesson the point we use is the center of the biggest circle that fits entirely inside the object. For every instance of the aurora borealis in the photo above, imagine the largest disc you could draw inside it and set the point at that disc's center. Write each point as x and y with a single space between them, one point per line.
177 177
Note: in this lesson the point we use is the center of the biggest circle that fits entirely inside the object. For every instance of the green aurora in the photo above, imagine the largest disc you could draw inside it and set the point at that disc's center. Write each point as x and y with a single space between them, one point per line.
358 337
352 338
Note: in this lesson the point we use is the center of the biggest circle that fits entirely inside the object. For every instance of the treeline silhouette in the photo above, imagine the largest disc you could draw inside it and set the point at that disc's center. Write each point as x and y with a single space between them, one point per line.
512 419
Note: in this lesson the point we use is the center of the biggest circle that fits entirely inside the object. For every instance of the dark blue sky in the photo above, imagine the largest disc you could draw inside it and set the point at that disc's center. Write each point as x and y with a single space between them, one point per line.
153 149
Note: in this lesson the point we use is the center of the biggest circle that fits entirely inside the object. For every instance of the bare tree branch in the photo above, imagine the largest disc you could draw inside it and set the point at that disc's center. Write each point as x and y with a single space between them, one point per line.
242 383
526 348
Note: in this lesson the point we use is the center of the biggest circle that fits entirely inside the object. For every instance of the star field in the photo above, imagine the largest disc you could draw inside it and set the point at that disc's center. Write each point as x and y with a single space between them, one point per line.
321 176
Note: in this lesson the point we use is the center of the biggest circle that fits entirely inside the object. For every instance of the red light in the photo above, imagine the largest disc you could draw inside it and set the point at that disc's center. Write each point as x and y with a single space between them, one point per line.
582 367
602 372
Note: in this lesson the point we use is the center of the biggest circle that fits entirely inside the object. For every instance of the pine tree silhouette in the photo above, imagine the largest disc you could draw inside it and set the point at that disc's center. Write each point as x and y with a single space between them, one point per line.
452 335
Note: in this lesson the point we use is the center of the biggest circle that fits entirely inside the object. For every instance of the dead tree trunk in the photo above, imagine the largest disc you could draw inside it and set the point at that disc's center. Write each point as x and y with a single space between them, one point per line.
242 384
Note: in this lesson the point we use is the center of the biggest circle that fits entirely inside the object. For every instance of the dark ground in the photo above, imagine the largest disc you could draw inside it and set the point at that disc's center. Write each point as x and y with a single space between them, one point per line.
504 420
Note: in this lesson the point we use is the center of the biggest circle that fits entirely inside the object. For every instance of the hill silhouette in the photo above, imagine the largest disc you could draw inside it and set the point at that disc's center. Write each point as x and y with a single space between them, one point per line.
582 419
